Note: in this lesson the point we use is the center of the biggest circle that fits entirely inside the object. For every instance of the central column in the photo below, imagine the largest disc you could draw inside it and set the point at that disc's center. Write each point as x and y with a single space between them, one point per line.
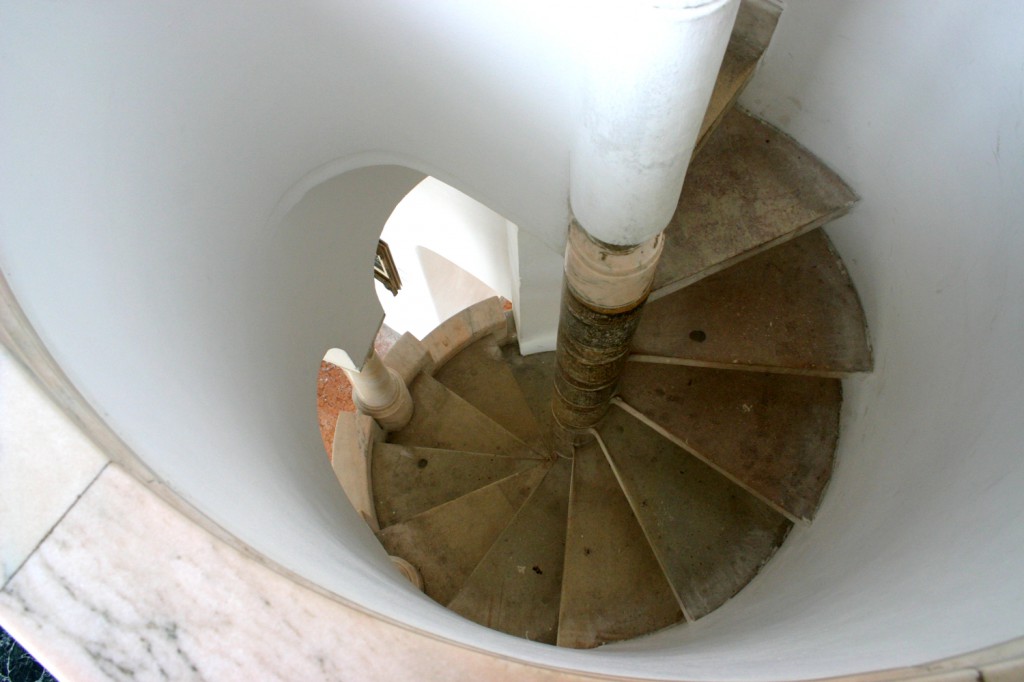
605 288
651 68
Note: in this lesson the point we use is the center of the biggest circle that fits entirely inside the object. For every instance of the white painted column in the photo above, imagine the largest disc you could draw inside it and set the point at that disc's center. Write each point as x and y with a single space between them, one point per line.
651 70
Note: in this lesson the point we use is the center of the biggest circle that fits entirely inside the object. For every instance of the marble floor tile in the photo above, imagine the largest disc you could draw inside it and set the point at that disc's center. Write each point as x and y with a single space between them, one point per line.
45 464
125 588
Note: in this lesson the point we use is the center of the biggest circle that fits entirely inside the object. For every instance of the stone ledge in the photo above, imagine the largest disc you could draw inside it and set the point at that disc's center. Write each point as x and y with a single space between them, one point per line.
460 330
354 437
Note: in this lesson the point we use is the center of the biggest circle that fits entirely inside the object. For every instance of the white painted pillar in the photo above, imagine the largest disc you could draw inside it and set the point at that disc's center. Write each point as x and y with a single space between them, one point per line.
651 70
378 391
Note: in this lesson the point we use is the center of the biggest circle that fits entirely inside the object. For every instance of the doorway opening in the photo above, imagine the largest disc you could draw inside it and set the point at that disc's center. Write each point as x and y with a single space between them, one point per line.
449 251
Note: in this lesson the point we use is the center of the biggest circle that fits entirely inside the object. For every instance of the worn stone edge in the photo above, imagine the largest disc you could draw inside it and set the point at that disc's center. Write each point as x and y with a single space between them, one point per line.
354 437
484 318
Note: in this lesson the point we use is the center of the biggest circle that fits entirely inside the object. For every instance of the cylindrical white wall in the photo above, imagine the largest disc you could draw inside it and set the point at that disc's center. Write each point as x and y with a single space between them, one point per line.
146 147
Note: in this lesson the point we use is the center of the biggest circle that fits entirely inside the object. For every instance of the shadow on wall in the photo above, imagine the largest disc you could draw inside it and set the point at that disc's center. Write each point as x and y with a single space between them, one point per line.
450 250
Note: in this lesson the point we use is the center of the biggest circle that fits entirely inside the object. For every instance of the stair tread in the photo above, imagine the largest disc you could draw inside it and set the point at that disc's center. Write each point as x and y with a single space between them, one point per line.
409 480
447 542
710 536
535 375
755 24
773 434
441 419
516 587
480 375
612 585
792 308
749 188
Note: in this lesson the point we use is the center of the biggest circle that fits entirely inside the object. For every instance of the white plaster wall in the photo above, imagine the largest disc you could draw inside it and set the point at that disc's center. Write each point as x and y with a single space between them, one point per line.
152 155
537 291
465 234
170 225
455 226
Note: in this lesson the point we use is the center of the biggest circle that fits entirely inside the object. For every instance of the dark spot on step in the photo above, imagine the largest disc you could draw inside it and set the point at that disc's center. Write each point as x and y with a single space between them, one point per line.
422 464
586 551
536 569
698 335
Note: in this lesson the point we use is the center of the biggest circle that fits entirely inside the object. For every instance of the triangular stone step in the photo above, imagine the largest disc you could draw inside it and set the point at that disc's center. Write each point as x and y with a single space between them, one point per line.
480 375
755 24
443 420
750 188
612 585
516 586
710 536
790 309
773 434
410 480
535 375
447 542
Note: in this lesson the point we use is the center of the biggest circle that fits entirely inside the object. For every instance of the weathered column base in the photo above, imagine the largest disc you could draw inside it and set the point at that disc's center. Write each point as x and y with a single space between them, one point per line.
593 347
605 289
379 392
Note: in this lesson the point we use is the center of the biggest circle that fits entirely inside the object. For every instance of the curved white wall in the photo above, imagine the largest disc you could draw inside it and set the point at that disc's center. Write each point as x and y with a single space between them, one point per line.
153 156
450 252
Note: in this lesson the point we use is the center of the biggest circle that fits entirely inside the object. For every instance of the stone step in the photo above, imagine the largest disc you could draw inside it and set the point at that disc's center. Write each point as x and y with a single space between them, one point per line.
443 420
755 24
516 587
535 375
480 375
791 309
447 542
750 188
773 434
612 585
710 536
409 480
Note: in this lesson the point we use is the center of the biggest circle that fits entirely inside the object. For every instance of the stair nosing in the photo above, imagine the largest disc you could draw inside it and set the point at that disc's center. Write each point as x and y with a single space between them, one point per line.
532 422
471 492
683 282
657 555
741 367
512 519
629 409
525 446
454 451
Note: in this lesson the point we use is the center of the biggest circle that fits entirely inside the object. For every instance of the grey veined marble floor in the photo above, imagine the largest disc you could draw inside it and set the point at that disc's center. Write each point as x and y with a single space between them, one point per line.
16 665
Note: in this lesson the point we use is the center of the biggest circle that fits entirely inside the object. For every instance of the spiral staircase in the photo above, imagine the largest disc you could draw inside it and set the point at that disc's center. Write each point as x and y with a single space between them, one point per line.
721 437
